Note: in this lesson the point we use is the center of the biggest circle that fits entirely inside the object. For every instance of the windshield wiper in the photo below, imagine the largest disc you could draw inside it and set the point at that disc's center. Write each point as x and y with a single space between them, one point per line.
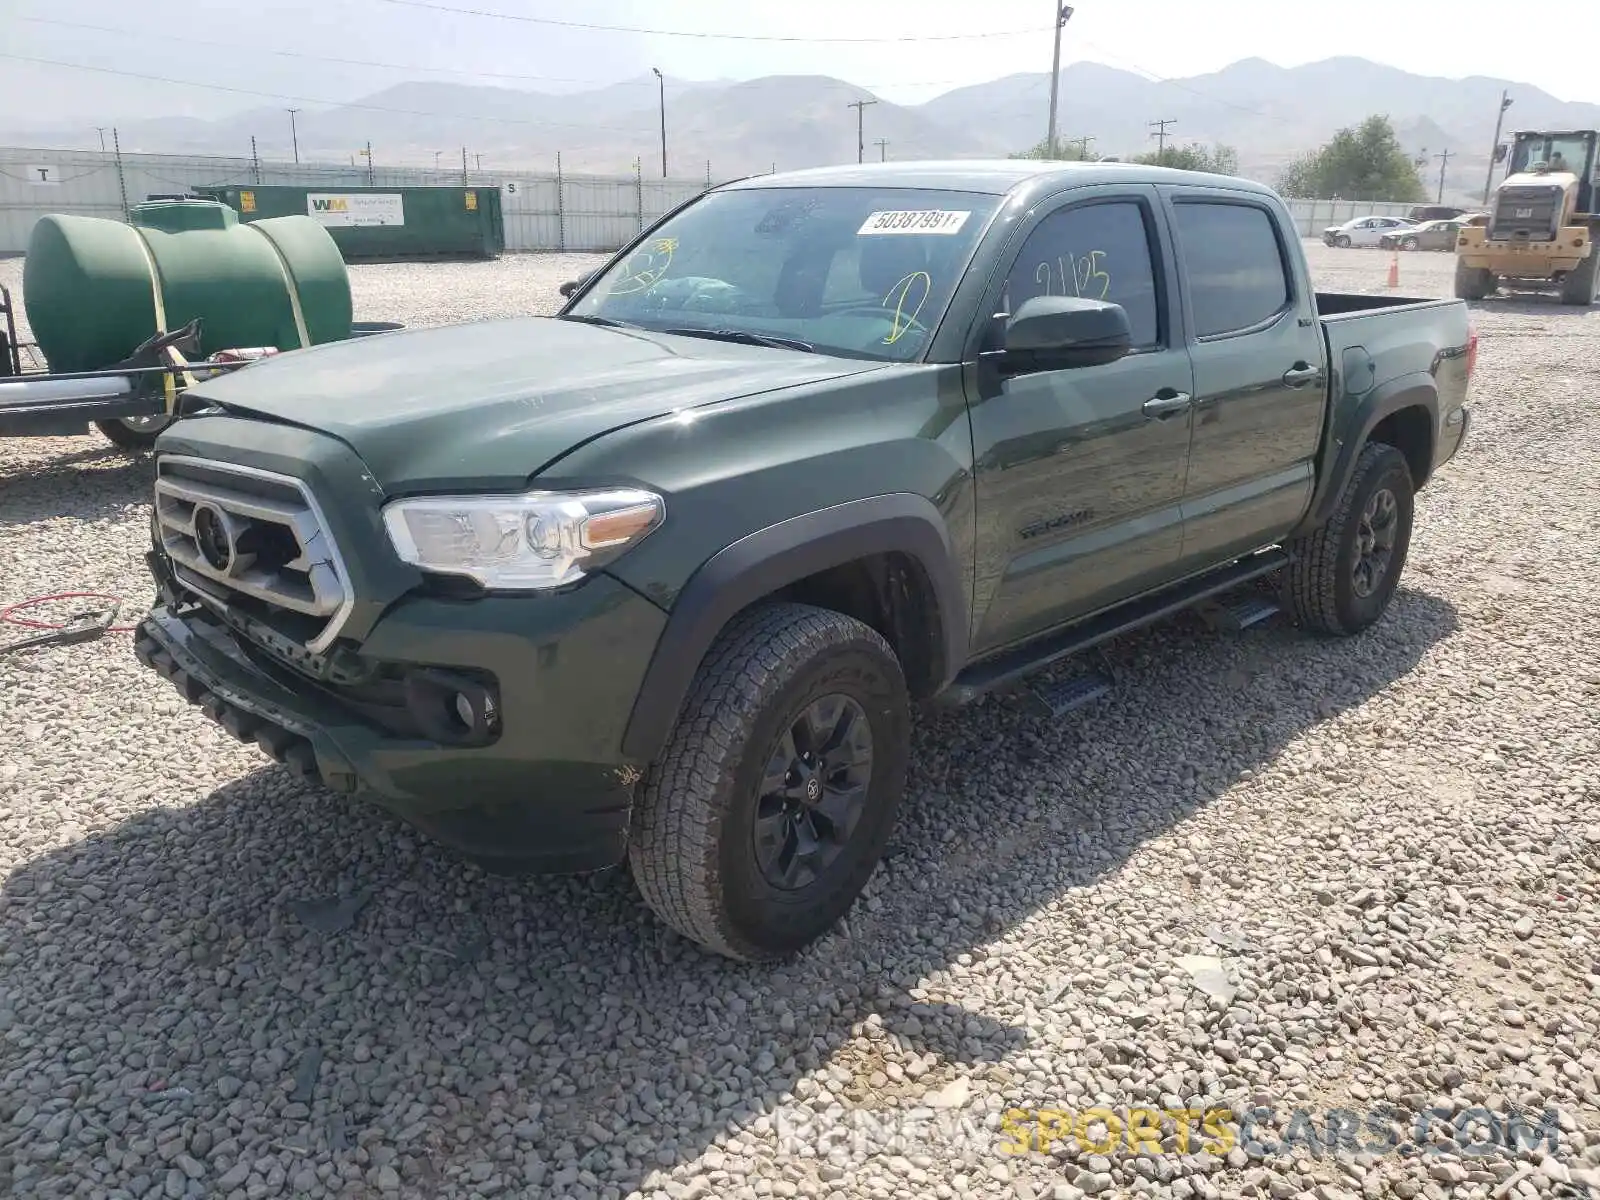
746 337
589 319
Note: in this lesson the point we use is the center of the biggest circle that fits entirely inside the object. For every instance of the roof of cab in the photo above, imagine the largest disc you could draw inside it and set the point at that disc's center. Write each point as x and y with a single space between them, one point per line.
994 176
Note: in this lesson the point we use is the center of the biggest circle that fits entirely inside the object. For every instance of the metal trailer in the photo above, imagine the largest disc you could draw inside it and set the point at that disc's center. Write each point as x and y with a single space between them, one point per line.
131 401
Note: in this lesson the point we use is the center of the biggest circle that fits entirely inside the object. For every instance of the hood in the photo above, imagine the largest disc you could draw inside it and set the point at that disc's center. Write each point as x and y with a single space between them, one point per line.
1546 179
489 404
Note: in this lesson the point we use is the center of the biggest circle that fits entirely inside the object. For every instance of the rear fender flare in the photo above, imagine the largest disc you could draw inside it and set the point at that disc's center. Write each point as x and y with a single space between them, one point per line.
763 562
1409 391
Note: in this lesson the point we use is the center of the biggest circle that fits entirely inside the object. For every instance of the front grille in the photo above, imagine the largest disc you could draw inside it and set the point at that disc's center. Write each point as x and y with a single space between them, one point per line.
253 538
1531 214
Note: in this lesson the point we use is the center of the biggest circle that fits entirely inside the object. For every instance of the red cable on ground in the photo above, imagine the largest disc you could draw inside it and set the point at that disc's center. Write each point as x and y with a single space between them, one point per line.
8 617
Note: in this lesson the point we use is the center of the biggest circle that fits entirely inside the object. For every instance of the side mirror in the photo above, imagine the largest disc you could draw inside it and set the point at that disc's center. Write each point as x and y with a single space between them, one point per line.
573 285
1500 152
1063 332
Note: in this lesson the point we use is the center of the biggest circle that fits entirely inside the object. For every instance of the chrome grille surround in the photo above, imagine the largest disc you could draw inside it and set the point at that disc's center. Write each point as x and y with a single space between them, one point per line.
208 513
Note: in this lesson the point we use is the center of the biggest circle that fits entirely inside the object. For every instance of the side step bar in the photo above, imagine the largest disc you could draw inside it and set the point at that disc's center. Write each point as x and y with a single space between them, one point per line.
1012 666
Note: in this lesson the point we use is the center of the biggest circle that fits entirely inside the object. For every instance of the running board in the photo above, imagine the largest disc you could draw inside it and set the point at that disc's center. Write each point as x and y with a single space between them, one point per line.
1235 615
1012 666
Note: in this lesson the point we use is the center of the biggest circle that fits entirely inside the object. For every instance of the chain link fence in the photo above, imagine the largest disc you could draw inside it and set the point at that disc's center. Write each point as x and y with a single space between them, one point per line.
542 211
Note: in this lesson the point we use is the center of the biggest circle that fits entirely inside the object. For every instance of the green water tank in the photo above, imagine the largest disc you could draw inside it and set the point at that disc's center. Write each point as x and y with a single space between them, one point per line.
95 289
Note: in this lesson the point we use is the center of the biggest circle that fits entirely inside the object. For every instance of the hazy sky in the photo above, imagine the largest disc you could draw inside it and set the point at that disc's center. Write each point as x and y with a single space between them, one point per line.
1158 38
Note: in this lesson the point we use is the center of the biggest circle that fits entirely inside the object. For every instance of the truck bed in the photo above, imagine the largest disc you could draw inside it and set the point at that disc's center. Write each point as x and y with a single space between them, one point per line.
1346 304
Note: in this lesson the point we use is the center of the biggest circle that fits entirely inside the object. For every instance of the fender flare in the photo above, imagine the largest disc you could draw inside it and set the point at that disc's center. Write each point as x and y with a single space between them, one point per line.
762 562
1409 391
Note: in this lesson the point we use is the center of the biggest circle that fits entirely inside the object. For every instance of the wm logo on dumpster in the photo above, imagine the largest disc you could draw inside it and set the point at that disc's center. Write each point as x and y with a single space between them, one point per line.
329 204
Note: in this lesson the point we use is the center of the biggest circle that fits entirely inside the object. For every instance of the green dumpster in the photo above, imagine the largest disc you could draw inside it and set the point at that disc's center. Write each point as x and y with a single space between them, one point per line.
382 223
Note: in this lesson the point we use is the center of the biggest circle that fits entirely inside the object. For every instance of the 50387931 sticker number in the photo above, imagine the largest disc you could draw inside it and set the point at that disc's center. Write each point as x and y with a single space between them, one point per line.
932 220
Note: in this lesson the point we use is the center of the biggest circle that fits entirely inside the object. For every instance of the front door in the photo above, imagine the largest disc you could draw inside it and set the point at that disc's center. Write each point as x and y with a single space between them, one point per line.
1080 473
1260 386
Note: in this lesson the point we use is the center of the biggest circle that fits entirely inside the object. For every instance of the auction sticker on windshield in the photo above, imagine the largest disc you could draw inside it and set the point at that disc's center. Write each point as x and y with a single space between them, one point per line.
932 220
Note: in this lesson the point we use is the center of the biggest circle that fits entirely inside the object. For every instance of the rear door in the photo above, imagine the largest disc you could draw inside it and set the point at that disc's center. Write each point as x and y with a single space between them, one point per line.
1259 374
1080 472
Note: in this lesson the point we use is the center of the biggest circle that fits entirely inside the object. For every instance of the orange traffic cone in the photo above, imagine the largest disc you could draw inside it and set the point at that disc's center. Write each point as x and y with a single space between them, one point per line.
1394 270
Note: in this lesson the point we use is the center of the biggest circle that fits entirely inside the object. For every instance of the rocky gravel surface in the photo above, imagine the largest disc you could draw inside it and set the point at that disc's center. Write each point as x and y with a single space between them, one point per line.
1347 888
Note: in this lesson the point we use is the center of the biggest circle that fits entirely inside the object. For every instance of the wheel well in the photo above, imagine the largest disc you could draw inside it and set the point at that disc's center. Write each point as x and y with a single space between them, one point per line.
1410 431
893 594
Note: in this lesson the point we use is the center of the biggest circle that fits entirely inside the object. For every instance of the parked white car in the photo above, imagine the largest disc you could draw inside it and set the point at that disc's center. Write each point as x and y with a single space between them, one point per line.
1362 231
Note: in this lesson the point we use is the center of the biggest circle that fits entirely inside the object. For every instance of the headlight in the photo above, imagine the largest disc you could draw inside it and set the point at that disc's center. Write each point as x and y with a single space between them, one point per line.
535 540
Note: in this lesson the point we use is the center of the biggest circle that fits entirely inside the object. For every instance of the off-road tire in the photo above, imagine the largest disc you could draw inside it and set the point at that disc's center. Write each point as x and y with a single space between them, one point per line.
1318 585
691 848
1474 283
1580 287
120 433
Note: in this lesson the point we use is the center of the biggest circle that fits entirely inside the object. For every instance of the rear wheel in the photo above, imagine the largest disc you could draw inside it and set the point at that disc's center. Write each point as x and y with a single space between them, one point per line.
134 433
777 792
1343 575
1473 283
1580 287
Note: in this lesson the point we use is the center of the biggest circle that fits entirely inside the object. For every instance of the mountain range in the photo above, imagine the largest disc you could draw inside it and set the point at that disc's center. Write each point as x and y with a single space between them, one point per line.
1267 112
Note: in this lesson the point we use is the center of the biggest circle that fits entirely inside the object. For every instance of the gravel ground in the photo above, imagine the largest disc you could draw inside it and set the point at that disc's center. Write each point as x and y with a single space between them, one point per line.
1269 871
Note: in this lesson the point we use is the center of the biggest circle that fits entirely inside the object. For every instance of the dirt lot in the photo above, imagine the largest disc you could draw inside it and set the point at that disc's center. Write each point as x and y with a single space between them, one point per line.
1267 872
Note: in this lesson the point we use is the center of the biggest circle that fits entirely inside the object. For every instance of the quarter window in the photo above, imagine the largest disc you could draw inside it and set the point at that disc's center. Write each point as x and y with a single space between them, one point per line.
1236 274
1097 251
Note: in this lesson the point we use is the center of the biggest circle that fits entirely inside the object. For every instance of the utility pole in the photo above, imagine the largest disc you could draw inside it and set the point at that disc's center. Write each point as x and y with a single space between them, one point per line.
101 130
367 154
1160 135
478 160
883 148
861 146
1499 124
1083 146
436 155
1444 161
294 133
661 85
1063 15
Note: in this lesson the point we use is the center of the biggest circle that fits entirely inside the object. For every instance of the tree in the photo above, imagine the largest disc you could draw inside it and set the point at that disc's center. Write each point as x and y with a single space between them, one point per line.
1363 163
1067 150
1218 159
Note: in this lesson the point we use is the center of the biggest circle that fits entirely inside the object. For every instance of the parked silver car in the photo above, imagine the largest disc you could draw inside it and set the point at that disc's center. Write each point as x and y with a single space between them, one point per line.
1362 231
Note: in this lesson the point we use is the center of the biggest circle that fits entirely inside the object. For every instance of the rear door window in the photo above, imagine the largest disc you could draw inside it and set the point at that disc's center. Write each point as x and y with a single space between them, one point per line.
1234 266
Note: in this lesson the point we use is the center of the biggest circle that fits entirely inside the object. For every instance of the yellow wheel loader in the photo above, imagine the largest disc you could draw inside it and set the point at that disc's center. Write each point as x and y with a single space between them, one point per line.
1539 231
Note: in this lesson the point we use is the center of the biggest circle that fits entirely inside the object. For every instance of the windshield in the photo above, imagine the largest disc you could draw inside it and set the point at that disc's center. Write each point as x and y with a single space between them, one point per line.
865 272
1556 153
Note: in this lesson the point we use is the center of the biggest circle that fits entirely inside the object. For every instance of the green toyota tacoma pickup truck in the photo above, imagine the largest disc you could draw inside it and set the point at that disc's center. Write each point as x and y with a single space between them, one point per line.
660 578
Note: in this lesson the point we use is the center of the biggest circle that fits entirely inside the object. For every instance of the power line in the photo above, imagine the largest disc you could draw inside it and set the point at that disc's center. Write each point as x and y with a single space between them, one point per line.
1160 135
861 108
729 37
404 112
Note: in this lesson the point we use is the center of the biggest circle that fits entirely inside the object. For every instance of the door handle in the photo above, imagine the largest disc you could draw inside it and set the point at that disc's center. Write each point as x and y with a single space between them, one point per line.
1166 403
1299 375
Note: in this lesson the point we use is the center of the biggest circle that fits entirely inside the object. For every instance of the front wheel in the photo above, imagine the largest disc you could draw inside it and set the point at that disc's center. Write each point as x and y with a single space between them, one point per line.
1342 241
777 792
134 433
1410 243
1473 283
1341 577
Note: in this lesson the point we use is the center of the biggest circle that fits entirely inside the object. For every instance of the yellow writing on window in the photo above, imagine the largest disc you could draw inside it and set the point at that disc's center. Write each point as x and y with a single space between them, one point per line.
1085 277
911 292
645 267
